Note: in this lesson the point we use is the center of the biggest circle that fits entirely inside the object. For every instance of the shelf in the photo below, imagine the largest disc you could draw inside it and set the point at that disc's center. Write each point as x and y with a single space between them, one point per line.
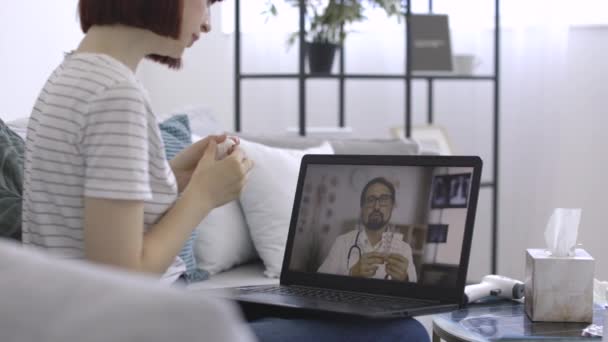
262 76
371 76
408 77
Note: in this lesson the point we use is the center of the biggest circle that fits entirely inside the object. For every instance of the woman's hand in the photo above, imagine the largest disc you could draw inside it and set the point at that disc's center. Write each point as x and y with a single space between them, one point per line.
184 164
217 182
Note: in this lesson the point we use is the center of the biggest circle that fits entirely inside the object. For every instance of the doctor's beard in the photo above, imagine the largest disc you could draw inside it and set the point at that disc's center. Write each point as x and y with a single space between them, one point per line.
375 220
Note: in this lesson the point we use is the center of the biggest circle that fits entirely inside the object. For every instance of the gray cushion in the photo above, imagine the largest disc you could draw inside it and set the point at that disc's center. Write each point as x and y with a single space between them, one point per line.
340 146
52 300
377 146
282 141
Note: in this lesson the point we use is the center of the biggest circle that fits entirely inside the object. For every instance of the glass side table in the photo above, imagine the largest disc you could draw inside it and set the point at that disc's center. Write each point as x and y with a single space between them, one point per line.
505 321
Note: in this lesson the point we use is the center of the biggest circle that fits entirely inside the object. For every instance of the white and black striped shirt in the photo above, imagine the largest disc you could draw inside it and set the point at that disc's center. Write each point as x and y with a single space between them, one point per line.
91 134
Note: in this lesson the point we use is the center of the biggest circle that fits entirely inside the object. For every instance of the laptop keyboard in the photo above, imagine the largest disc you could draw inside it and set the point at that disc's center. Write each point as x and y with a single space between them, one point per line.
342 297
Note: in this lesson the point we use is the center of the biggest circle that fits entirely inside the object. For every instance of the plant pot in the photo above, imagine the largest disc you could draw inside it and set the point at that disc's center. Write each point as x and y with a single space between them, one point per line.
321 57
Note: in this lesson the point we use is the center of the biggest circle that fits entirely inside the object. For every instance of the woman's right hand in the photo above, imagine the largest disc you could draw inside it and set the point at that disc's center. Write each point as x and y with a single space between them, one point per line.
217 182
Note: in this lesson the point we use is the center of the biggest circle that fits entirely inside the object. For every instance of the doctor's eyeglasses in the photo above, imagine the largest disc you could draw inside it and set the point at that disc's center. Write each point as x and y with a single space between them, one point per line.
383 200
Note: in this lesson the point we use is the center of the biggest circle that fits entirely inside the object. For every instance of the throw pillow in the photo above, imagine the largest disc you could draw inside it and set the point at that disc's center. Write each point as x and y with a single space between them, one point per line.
340 145
267 198
201 118
176 134
223 240
11 182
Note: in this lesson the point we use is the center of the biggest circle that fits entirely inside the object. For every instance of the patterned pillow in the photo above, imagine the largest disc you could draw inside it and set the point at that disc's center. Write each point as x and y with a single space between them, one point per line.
11 182
176 136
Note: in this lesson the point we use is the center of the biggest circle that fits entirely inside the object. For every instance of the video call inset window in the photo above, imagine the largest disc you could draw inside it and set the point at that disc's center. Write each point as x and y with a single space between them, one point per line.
395 223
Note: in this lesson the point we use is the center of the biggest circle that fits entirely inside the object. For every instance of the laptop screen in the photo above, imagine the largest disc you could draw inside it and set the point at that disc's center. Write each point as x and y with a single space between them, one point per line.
391 223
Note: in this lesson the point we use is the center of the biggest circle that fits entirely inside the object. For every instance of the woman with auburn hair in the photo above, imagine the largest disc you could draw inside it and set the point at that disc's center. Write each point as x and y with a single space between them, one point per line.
97 185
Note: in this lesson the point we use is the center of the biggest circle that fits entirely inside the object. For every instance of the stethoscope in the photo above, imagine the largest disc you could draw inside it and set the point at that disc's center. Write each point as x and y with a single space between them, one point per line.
354 247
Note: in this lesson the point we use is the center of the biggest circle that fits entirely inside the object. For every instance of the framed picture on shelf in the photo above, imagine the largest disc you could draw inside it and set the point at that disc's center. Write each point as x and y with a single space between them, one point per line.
431 44
450 191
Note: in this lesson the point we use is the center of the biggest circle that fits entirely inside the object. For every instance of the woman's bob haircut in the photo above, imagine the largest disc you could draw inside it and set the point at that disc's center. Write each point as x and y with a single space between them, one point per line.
163 17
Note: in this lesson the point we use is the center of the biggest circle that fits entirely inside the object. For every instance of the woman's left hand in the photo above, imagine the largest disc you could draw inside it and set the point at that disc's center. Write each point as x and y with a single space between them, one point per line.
186 161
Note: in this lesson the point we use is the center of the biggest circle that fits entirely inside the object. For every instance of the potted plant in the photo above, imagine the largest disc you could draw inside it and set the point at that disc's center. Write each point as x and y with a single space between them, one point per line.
325 20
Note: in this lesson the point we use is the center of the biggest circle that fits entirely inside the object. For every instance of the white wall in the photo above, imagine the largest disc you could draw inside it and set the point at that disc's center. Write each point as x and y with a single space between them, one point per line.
583 163
34 35
564 149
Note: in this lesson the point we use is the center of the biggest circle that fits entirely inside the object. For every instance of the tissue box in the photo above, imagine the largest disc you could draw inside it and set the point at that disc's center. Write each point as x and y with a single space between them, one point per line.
559 289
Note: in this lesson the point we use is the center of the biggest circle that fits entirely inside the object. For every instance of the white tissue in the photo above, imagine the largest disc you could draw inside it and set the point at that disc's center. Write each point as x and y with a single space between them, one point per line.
561 231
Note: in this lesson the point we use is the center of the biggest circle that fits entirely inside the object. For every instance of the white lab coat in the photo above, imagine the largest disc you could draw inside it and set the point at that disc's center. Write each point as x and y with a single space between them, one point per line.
337 261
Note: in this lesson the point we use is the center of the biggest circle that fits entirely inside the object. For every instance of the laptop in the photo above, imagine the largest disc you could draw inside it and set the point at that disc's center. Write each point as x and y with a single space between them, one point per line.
376 236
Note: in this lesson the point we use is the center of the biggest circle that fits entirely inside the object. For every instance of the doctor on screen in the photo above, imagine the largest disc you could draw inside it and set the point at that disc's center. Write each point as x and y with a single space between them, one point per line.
375 249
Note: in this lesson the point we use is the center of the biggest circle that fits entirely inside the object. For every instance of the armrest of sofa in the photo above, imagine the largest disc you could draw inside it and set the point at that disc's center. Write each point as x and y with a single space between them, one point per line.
48 299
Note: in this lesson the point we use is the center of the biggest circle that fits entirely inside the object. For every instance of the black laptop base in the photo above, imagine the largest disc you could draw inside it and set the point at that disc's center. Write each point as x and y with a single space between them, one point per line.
262 304
255 311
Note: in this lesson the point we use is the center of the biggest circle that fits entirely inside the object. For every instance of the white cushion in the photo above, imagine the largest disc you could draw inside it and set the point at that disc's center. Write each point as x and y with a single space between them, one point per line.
52 300
223 240
267 198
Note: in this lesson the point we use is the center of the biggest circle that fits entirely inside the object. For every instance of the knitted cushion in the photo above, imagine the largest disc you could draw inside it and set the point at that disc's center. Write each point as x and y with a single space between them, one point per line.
11 182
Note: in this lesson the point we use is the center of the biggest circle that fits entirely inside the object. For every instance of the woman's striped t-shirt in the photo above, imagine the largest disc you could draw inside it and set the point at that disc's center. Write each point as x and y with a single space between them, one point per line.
91 134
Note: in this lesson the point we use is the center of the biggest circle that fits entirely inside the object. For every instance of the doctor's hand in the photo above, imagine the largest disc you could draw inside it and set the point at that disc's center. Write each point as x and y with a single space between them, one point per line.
396 266
367 265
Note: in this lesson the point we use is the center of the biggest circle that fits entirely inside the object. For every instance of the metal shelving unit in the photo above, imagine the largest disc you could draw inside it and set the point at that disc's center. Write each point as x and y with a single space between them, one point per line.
407 77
